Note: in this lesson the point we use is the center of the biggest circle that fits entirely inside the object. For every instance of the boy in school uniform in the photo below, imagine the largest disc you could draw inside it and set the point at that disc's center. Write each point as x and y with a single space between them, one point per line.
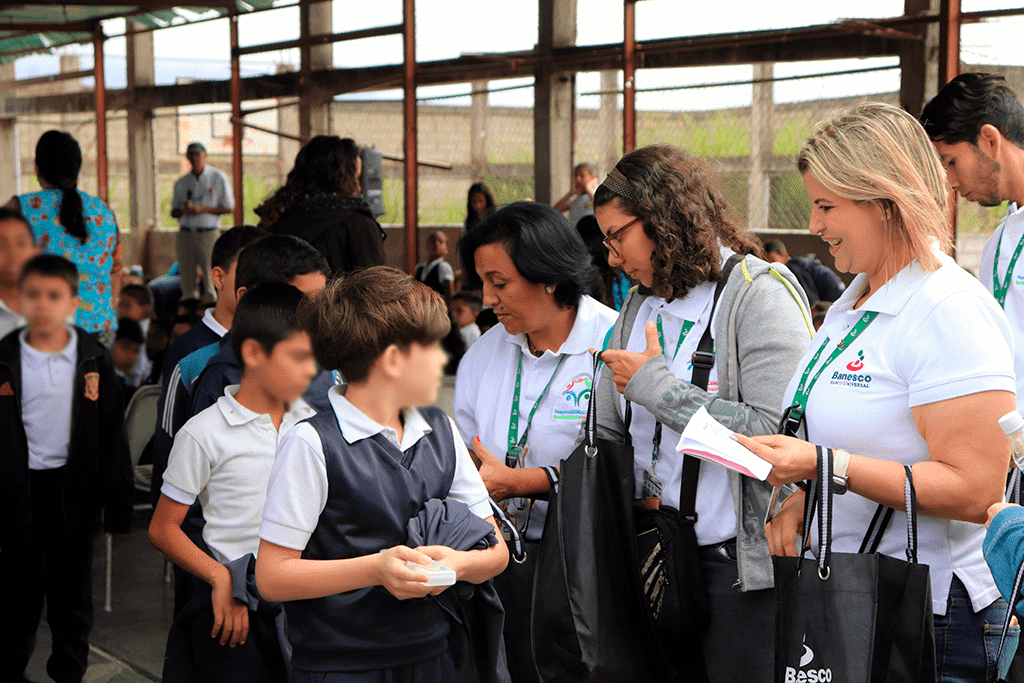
222 458
65 460
17 246
352 484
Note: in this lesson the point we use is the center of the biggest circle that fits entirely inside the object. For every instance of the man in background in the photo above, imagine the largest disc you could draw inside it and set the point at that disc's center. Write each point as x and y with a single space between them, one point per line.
818 281
200 198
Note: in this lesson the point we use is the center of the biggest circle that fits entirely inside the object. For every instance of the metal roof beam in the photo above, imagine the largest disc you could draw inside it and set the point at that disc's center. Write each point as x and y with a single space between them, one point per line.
324 39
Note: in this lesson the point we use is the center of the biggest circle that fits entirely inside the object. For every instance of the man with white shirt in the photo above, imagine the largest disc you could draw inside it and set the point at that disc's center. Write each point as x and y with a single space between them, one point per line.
201 196
977 125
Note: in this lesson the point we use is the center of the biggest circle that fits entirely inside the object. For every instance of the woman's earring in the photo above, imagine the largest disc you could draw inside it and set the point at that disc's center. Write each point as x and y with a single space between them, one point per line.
549 289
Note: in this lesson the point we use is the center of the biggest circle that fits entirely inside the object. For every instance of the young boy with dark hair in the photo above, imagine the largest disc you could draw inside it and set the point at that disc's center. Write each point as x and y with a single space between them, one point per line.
136 303
466 306
437 273
17 246
125 353
360 490
64 461
222 458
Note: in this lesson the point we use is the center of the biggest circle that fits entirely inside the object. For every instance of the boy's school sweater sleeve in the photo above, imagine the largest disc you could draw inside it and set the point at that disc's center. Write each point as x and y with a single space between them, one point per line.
114 453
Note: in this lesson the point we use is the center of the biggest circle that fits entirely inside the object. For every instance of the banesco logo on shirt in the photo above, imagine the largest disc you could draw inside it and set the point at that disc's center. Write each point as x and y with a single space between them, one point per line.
854 378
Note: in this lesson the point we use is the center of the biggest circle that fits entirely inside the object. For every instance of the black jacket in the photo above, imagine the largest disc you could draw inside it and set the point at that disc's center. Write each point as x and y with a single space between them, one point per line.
343 229
99 472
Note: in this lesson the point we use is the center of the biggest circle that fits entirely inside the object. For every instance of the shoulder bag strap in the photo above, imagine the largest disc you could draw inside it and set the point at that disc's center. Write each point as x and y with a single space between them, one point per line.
1018 583
703 361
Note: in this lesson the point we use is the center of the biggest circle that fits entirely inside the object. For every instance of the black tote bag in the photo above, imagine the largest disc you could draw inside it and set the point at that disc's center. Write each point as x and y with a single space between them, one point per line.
853 617
590 621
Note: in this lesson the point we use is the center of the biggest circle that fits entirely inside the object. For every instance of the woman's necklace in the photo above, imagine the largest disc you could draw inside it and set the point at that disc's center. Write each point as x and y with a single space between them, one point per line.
536 352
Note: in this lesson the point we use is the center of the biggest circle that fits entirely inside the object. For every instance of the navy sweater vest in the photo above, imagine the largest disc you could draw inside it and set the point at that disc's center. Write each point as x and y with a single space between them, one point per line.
374 489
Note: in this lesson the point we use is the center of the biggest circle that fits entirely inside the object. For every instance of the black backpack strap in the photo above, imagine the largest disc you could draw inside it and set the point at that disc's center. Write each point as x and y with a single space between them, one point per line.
703 361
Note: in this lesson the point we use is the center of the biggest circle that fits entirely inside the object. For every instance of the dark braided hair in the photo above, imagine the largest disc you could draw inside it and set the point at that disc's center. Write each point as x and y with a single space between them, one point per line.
683 214
59 159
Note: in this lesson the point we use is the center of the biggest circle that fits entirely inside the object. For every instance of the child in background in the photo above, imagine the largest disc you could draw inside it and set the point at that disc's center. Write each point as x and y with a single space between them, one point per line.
466 306
125 354
17 246
353 485
222 458
437 273
136 303
64 460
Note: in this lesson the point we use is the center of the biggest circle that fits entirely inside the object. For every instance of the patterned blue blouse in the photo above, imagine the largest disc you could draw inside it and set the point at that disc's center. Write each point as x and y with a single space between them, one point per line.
94 258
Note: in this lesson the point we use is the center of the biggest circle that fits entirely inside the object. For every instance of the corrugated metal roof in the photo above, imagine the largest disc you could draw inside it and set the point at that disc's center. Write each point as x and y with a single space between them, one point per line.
25 28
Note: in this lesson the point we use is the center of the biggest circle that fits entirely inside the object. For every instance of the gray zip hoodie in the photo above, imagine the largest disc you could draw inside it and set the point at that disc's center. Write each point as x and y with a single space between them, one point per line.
762 332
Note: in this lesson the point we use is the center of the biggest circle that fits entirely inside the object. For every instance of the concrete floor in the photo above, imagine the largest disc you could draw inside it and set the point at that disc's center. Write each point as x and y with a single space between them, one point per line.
128 642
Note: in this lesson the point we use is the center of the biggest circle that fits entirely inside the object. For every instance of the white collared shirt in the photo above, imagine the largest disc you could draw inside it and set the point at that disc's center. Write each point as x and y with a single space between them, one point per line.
716 513
47 394
486 382
1007 237
298 483
210 188
937 336
223 457
212 323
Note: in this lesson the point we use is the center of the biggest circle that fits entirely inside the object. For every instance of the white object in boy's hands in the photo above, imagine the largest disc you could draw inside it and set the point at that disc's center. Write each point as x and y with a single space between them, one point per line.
437 573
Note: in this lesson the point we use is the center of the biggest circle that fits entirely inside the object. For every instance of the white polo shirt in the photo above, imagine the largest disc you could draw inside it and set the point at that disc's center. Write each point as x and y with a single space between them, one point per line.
210 188
47 394
9 320
223 457
937 336
1008 236
298 483
716 513
486 382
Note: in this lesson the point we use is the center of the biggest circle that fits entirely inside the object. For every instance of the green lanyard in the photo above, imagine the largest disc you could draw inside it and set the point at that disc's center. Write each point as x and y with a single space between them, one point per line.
803 390
515 445
1000 290
656 441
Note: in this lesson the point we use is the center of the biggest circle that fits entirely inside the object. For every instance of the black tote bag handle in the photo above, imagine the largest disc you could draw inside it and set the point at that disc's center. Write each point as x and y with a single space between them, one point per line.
1018 583
820 499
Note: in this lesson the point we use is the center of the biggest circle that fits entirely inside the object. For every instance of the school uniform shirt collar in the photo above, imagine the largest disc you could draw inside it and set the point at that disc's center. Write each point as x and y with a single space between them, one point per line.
893 296
581 338
236 414
212 323
356 425
68 354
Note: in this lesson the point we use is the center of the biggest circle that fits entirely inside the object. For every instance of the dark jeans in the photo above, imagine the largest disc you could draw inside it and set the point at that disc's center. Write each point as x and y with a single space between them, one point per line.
440 669
739 643
55 563
966 641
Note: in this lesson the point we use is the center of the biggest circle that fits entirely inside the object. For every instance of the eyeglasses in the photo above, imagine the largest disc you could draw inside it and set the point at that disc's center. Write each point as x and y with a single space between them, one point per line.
617 235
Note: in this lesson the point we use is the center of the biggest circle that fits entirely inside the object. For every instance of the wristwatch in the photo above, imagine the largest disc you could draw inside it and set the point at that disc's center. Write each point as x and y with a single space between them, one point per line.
840 463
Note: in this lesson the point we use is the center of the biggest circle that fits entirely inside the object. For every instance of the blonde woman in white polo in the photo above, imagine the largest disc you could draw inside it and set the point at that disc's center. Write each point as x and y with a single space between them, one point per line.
912 366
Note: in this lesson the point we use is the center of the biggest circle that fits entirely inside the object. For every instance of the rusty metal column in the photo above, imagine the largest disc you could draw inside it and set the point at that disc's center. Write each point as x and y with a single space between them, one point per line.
102 190
949 68
236 122
949 41
409 119
628 77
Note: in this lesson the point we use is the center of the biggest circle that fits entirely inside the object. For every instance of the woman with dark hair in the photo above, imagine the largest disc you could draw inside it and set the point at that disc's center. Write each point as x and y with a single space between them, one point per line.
668 227
77 226
320 202
523 388
478 200
613 285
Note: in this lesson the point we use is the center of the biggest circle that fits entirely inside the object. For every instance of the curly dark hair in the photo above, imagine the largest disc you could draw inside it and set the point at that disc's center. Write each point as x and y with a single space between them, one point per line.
325 165
683 214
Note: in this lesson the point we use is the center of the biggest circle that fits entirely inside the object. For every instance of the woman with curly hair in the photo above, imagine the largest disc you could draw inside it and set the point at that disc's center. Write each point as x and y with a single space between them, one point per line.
669 229
81 228
320 202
